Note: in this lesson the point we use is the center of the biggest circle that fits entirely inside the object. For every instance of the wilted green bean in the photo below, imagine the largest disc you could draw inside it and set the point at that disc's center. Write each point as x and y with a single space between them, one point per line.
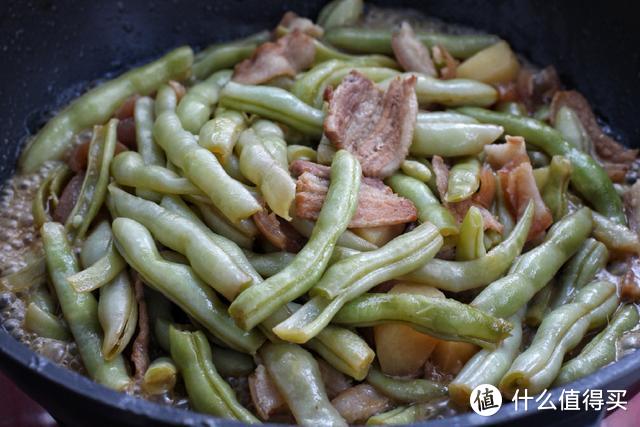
195 107
33 274
202 168
256 303
231 363
100 272
464 179
166 100
301 387
45 324
80 310
554 192
601 350
487 366
46 198
429 207
160 377
256 163
301 152
535 268
347 239
537 367
471 240
416 169
340 13
501 210
151 153
96 179
615 236
452 139
569 125
207 391
538 159
221 225
355 275
225 55
580 270
457 276
539 305
274 104
587 176
98 105
220 134
405 390
376 40
269 264
273 138
180 285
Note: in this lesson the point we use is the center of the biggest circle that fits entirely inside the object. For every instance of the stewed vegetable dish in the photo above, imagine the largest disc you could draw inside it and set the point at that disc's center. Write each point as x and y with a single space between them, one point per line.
357 219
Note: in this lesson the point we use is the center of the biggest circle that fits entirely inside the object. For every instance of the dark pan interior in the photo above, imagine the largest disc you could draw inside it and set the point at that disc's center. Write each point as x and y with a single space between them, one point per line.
50 50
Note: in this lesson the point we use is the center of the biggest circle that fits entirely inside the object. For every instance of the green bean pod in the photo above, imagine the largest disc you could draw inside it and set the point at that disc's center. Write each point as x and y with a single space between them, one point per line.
46 198
536 368
440 317
615 236
270 264
98 105
447 116
274 104
160 377
375 40
601 350
464 180
221 225
220 134
458 276
429 207
195 107
225 55
535 268
405 390
416 169
340 13
452 139
297 377
230 363
180 285
347 239
151 153
257 302
554 192
96 180
166 100
80 310
160 317
512 107
471 240
587 175
301 152
355 275
273 138
569 125
487 366
203 169
256 163
45 324
405 415
98 274
501 210
207 391
539 305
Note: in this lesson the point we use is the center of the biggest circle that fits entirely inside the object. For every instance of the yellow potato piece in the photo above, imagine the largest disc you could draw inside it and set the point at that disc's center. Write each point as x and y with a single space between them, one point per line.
495 64
379 236
451 356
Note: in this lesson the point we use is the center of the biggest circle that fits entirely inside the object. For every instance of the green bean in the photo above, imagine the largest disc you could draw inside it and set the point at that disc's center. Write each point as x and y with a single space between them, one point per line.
195 107
487 366
45 324
180 285
33 274
512 107
403 389
452 139
464 275
537 367
539 305
501 209
257 302
569 125
256 163
471 240
166 100
538 159
301 152
80 310
272 137
405 415
347 239
274 104
46 198
221 134
444 117
374 40
302 386
340 13
543 113
230 363
151 153
207 391
98 105
270 264
206 257
587 176
429 207
41 296
601 350
554 192
534 269
326 151
580 270
225 55
160 318
615 236
221 225
94 186
203 169
464 179
353 276
308 87
99 273
160 377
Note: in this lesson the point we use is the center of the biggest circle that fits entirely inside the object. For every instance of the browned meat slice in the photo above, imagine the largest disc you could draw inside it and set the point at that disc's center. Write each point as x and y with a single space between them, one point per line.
286 57
278 232
298 167
359 403
335 382
377 205
376 126
69 198
265 396
411 54
507 155
292 21
537 87
447 64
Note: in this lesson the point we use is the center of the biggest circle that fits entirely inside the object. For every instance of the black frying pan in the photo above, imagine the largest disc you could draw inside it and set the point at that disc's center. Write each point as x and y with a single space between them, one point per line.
49 50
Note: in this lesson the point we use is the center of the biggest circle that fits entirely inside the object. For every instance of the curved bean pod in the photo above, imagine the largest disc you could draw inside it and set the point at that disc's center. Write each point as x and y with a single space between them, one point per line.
471 240
100 272
225 55
347 239
452 139
568 124
501 209
166 100
151 153
160 377
554 192
98 105
221 225
230 363
270 264
45 324
221 134
195 107
301 152
340 13
273 139
464 180
587 176
416 169
615 236
46 198
403 389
